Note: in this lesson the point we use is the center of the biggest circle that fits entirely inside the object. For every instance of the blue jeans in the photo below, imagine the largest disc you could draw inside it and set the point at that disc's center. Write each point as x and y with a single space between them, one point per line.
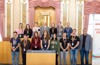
73 53
83 53
15 58
63 57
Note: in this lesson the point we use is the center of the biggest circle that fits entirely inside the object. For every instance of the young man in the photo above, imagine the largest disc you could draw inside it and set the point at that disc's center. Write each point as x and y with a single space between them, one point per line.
15 42
44 27
53 30
59 30
25 45
74 43
64 45
68 29
85 46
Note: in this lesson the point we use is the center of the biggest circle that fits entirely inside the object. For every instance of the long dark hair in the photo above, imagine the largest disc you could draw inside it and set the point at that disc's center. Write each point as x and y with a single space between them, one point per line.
35 36
26 26
47 36
53 37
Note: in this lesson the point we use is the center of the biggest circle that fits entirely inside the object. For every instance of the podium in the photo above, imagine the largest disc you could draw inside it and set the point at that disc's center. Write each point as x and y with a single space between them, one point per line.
40 57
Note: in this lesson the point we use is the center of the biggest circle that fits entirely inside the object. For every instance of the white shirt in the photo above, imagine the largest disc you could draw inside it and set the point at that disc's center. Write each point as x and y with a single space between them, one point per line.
35 29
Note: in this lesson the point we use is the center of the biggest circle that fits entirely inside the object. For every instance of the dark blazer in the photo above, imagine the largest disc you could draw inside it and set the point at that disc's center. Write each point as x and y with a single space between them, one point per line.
28 32
27 47
52 32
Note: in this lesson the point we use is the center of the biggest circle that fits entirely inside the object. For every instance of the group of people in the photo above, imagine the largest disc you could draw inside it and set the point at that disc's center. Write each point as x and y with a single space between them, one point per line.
57 38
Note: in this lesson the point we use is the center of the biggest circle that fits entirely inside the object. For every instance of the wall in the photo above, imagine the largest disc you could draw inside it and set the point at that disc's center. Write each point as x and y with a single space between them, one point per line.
23 11
2 17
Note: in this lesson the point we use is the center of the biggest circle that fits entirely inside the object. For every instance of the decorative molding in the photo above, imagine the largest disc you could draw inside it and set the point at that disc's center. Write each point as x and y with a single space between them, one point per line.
47 3
2 6
41 3
90 7
2 10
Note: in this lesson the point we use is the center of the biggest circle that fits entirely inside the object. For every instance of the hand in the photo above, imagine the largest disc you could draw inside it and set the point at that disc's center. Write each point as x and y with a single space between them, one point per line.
13 49
64 50
90 50
72 48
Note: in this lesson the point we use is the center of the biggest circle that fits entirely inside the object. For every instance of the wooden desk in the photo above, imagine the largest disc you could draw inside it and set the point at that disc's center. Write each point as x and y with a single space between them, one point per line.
41 58
28 39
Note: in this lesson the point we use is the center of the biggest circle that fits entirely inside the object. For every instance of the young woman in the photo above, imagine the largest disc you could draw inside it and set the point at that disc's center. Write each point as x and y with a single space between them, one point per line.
35 44
74 43
25 45
45 40
20 30
28 31
36 28
55 45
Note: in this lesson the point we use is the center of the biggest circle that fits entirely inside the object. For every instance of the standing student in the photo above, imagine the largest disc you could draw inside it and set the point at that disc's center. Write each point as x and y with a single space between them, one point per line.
55 45
15 43
64 45
28 31
53 30
68 29
35 44
44 27
36 28
85 46
45 41
25 45
20 30
74 43
59 31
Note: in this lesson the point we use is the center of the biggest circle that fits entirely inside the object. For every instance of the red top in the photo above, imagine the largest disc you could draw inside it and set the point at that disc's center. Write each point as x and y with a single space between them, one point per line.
35 43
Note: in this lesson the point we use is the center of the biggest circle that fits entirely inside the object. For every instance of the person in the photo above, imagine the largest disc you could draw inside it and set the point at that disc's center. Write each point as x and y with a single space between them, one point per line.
74 43
53 30
68 29
44 27
35 43
15 43
59 31
25 45
64 45
85 46
45 40
28 31
36 28
55 45
20 30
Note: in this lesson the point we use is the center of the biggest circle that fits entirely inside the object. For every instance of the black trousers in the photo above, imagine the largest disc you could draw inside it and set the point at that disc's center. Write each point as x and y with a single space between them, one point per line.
56 59
24 58
35 49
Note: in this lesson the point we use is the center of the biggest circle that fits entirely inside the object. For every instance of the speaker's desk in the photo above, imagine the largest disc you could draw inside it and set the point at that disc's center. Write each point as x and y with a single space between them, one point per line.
40 57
